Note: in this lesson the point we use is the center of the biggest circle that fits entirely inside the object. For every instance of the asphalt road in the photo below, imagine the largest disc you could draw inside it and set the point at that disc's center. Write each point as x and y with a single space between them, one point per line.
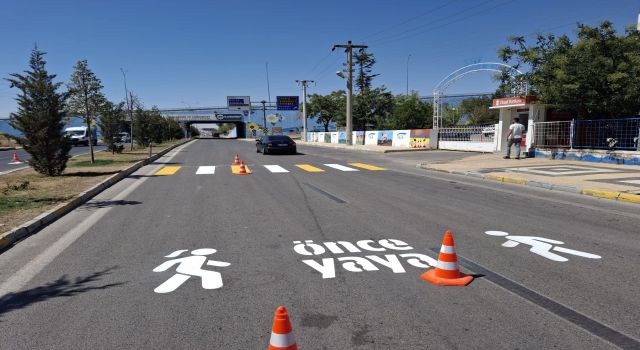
87 281
7 156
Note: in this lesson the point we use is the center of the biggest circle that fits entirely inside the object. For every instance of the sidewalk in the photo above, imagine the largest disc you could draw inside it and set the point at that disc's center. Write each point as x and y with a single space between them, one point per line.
595 179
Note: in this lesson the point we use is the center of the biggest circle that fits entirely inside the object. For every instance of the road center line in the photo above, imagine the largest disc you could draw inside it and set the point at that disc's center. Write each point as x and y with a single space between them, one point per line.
327 194
588 324
20 278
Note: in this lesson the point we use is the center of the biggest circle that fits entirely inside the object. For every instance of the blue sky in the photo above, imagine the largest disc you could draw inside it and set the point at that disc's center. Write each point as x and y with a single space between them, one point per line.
195 53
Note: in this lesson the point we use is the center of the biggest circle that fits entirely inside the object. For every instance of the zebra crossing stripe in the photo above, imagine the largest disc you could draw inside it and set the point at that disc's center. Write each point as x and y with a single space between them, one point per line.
341 167
276 169
167 170
309 168
206 170
366 166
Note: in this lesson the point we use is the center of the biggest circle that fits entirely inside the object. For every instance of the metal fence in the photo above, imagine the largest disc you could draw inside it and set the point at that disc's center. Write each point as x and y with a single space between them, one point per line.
472 133
619 134
552 134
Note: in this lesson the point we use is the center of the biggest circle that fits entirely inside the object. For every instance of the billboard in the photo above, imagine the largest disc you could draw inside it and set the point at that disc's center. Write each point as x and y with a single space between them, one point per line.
287 103
242 103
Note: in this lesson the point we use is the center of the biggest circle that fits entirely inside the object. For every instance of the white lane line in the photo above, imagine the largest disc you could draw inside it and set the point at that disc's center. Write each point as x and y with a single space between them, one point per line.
631 181
19 279
276 169
206 170
341 167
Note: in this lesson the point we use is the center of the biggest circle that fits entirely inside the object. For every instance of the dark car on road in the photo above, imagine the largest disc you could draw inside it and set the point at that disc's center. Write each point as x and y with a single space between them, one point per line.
276 144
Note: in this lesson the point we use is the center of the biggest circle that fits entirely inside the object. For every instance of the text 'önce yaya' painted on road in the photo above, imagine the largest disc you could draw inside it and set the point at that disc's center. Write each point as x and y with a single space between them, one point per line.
190 266
327 266
541 246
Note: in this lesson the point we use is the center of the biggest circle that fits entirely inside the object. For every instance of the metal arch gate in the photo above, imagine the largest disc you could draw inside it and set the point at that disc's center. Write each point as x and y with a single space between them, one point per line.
520 86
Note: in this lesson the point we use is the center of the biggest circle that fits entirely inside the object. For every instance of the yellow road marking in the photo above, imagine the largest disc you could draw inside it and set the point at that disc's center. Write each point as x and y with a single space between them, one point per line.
309 168
168 170
236 169
367 166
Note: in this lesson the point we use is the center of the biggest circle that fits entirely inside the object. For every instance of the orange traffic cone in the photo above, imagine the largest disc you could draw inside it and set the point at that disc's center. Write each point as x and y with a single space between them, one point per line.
15 159
447 272
281 332
243 169
236 161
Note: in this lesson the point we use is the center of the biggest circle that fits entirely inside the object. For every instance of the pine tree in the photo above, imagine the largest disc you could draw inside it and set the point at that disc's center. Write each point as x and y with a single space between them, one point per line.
112 122
364 64
40 117
85 96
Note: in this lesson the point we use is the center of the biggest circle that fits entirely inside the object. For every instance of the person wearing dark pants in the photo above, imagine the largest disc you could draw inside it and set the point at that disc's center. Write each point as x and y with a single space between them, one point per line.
514 137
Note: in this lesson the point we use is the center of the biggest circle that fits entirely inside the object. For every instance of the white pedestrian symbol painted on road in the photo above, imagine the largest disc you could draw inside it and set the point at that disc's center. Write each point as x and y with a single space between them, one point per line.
541 246
190 266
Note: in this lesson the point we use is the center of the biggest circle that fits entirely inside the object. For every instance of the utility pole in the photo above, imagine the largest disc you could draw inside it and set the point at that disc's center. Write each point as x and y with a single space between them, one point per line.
304 106
126 97
264 116
348 48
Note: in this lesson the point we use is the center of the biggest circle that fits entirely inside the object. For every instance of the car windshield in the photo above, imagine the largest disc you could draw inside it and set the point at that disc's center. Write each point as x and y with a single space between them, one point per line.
280 138
75 132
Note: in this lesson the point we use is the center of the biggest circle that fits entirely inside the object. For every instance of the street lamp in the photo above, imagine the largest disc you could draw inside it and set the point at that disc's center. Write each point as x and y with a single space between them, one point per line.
408 57
129 107
264 116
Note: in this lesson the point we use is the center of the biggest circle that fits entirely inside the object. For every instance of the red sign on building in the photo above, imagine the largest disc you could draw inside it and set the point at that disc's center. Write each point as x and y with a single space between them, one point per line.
513 101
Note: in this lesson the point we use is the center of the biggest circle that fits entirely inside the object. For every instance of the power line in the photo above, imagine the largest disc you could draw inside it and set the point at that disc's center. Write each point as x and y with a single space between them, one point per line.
409 20
429 26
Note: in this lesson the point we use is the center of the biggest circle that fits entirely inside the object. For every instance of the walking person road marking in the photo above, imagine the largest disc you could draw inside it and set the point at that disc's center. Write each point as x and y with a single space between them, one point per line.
190 266
541 246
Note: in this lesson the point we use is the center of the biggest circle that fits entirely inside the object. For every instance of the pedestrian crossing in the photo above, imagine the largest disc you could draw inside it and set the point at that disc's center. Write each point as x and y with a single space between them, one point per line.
270 168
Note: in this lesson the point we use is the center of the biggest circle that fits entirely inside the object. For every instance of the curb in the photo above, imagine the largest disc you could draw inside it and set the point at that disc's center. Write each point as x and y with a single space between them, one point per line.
620 196
36 224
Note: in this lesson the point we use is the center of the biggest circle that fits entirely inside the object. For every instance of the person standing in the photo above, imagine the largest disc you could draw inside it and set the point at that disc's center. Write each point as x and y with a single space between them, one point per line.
514 137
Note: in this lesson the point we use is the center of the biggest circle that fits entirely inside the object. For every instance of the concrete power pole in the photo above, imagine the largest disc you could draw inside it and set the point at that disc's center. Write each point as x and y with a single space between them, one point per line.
349 50
304 106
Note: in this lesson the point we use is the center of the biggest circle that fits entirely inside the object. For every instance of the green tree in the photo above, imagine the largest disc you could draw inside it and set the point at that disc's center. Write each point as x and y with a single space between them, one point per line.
476 111
452 116
111 122
193 131
39 117
372 107
327 108
597 76
410 112
175 130
142 126
85 96
364 62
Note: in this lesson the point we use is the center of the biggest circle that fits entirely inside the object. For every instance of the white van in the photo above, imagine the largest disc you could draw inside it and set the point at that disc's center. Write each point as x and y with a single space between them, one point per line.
78 135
